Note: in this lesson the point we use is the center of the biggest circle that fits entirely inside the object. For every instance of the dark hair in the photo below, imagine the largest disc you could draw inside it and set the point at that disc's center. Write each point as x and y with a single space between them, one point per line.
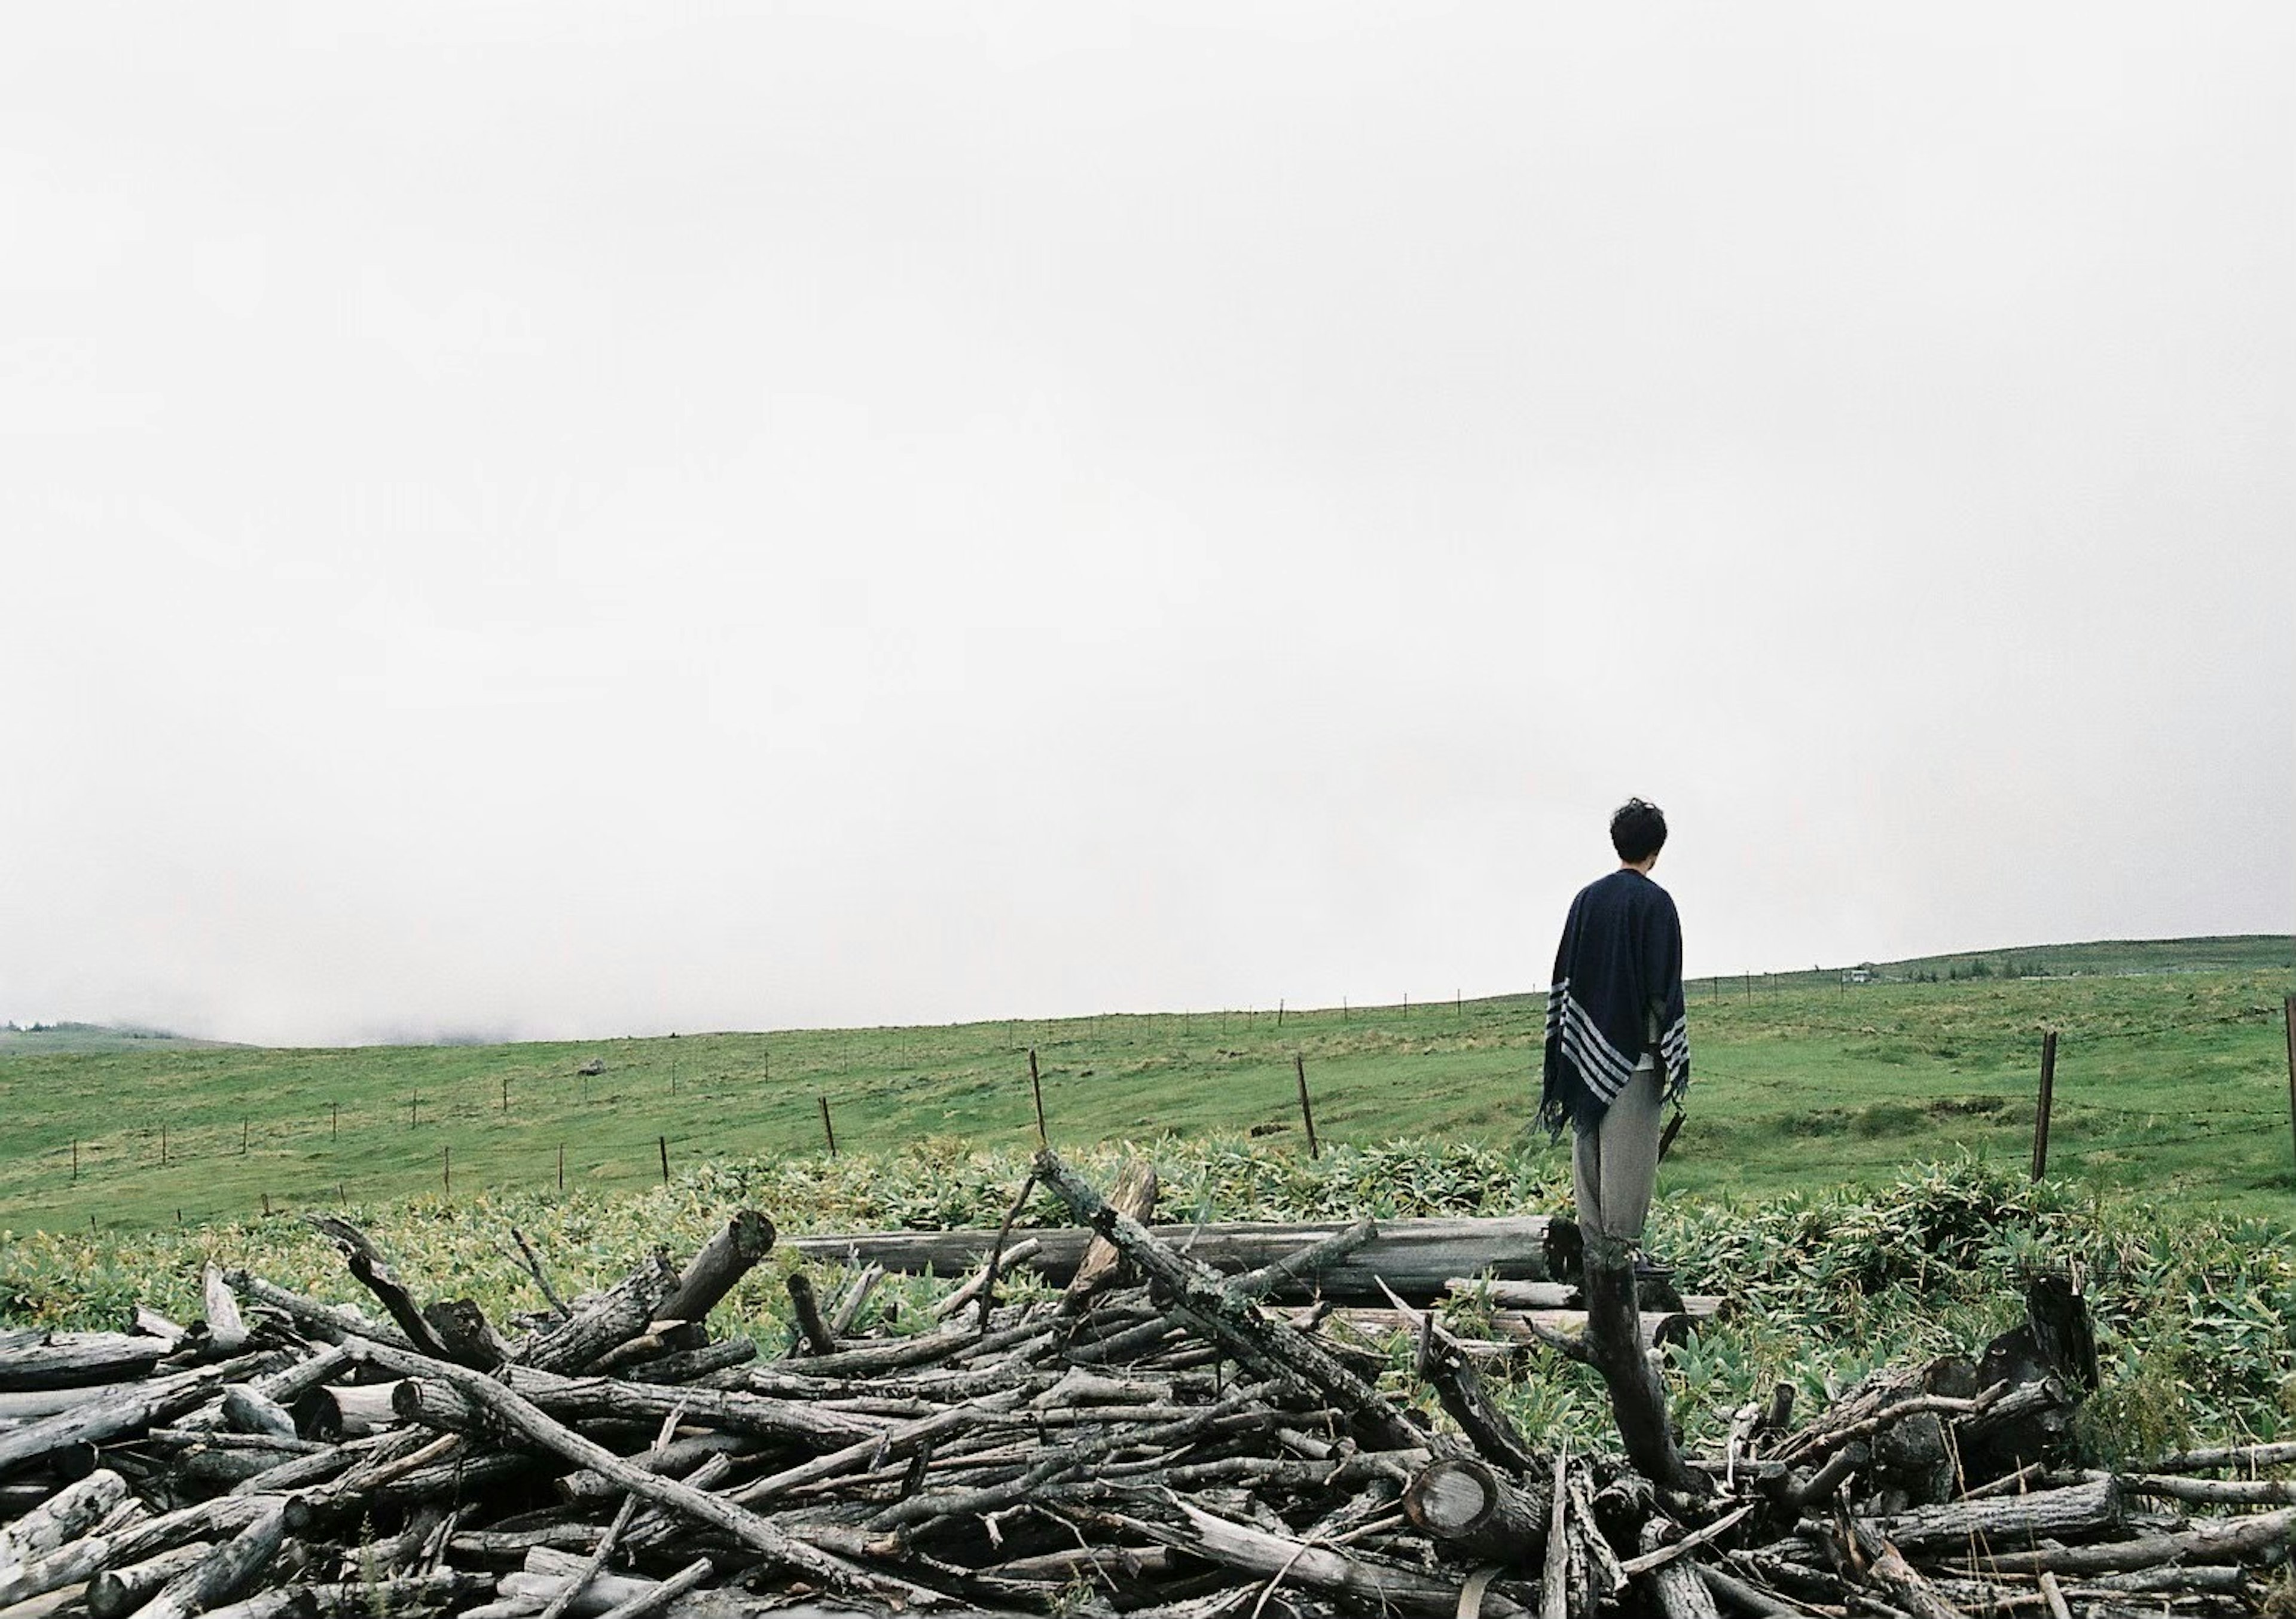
1638 830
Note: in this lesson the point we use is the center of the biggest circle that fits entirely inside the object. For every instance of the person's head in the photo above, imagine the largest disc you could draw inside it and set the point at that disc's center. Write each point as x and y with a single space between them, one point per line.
1637 832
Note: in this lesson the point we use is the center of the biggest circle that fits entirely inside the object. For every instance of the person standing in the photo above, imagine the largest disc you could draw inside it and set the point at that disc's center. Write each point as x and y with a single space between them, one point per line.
1618 1034
1617 1049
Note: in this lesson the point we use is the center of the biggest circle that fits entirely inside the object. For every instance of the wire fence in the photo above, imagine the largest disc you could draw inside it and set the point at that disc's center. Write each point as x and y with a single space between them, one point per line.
591 1128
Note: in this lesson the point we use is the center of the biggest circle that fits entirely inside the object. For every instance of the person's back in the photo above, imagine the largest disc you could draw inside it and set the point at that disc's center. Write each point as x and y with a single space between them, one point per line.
1618 1040
1618 1047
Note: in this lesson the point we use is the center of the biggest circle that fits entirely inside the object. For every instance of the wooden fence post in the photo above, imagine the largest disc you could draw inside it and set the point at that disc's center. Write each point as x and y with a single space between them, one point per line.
561 1167
1307 1114
1037 1088
2288 1020
75 1158
664 1142
446 1168
2048 1093
827 1129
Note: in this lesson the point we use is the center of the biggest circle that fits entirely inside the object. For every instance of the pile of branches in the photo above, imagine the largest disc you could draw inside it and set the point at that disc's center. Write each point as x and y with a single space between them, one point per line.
1158 1439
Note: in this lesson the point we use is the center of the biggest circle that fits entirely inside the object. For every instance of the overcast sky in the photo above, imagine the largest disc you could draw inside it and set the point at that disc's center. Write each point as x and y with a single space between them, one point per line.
566 520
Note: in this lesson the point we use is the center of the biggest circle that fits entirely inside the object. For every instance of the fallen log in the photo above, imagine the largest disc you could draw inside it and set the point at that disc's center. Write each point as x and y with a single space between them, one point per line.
74 1359
1357 1578
732 1250
136 1407
1415 1258
2227 1541
1467 1504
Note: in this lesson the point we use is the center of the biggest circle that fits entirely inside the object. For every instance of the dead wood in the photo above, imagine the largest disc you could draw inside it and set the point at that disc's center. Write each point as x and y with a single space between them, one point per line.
732 1252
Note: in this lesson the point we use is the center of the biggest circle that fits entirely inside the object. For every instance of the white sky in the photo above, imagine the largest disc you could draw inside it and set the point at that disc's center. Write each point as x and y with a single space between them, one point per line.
562 519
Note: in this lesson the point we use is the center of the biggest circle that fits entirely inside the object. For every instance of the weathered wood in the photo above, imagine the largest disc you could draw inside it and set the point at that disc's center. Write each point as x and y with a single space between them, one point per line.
137 1408
1443 1364
463 1332
331 1323
1905 1588
123 1590
522 1417
1359 1578
1415 1258
2215 1491
2075 1510
373 1272
730 1254
676 1458
1134 1193
224 1332
2280 1453
64 1516
438 1591
1467 1504
1675 1587
18 1406
76 1359
1254 1338
2226 1541
224 1573
615 1316
1613 1344
349 1410
812 1333
248 1410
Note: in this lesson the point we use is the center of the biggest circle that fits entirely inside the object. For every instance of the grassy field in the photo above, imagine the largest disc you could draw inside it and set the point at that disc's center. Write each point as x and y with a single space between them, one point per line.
2173 1080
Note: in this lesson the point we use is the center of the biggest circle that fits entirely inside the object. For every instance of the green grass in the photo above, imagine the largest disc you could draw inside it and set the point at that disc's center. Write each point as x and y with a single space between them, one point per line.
2174 1082
2192 1311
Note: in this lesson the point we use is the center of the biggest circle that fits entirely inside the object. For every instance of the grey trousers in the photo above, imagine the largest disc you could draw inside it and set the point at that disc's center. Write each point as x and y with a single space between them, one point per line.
1614 1169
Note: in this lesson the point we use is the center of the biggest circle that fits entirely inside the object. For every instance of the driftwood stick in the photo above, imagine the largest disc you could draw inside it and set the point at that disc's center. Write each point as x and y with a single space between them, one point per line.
373 1271
607 1542
1459 1387
329 1322
1908 1590
436 1591
2215 1491
1680 1593
225 1332
856 1294
663 1593
997 1250
2072 1512
974 1285
541 1277
1467 1505
812 1332
1554 1571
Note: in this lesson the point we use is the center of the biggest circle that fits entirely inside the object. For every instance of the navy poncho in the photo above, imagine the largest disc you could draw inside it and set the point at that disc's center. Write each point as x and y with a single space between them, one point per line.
1618 977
